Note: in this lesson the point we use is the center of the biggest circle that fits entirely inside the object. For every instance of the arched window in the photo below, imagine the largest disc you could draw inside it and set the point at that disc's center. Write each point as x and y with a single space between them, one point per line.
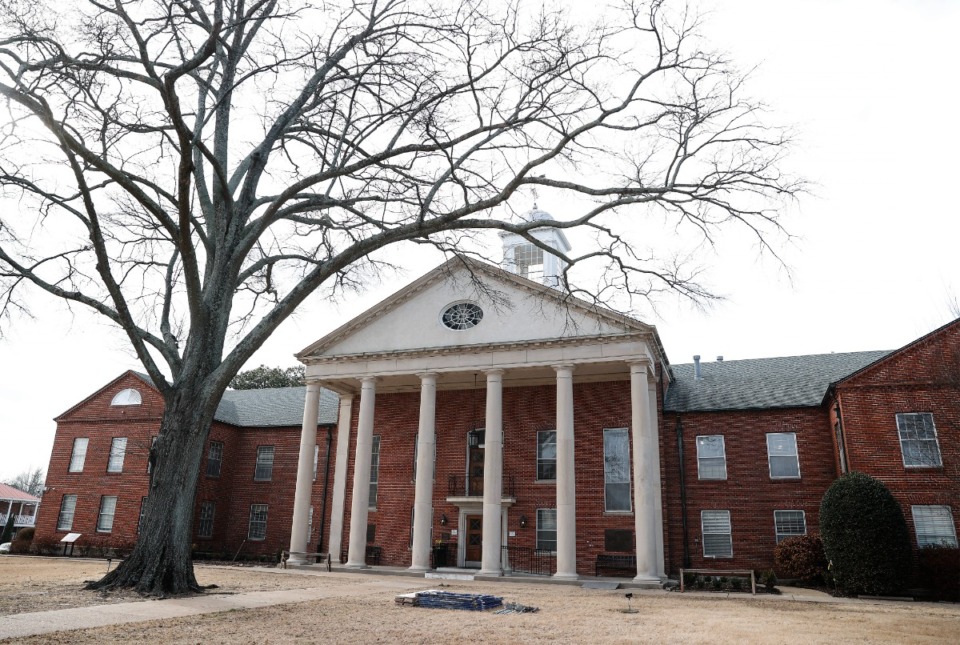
128 396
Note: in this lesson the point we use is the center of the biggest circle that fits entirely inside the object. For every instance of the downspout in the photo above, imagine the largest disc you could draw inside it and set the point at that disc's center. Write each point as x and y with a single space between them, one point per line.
683 496
841 439
326 481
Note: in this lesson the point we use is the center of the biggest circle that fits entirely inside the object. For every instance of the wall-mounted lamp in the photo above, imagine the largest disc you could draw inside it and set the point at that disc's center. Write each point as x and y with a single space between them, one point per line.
443 519
523 521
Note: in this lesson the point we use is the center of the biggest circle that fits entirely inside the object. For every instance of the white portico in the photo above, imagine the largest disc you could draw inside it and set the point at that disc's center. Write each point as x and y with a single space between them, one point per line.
469 325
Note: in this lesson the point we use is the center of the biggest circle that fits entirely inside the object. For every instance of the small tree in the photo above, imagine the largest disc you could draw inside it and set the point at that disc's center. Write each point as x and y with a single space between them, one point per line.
263 377
7 529
865 536
29 481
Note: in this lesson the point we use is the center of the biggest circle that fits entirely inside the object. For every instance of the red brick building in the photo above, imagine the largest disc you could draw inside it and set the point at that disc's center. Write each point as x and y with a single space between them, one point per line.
477 419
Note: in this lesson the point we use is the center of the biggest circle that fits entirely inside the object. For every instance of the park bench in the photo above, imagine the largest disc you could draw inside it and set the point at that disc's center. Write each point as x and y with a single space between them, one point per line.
616 562
746 573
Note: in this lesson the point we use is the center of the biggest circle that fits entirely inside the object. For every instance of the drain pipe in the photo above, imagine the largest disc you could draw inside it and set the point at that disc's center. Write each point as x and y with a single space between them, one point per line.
683 496
326 481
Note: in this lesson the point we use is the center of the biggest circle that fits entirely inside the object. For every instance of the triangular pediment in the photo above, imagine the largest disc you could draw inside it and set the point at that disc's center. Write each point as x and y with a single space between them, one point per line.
514 311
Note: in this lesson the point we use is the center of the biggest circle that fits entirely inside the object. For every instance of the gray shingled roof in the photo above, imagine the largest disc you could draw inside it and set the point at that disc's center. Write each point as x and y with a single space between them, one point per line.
785 382
273 407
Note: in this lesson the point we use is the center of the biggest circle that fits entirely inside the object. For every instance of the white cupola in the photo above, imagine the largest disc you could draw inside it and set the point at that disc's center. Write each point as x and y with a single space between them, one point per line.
524 258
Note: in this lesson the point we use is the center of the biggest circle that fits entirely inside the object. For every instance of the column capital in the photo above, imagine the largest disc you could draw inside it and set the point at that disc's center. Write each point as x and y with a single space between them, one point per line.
494 371
563 366
346 397
426 376
369 380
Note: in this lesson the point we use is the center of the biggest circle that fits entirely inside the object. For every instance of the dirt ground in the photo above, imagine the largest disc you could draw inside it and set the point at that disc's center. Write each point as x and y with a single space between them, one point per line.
42 584
567 614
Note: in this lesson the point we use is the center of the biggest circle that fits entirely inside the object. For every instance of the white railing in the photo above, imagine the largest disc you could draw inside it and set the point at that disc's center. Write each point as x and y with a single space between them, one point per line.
19 520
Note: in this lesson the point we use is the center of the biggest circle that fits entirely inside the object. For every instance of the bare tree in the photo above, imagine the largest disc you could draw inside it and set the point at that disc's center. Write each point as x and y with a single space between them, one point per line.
29 481
192 170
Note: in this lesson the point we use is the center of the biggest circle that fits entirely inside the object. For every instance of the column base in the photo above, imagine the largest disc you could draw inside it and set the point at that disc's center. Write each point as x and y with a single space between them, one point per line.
494 573
296 562
416 569
565 576
356 565
648 580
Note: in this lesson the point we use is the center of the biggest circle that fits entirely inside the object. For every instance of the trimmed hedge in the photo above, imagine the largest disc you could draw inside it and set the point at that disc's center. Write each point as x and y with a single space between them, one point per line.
939 569
865 536
801 558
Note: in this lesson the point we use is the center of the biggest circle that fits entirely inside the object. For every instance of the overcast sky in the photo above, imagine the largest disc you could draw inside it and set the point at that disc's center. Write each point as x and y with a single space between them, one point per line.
871 89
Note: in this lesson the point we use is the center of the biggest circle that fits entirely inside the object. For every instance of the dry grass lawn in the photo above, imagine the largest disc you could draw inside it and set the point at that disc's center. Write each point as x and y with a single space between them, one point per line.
41 584
366 614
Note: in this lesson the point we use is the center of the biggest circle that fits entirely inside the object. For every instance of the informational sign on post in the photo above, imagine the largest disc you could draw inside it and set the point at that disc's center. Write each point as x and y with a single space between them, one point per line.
68 541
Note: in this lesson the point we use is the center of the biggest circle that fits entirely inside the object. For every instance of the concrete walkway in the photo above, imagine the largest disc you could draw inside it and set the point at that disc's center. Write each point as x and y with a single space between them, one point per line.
390 583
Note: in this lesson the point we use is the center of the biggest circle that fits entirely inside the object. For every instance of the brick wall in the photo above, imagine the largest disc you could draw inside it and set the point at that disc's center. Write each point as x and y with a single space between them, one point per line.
233 491
748 492
525 411
923 377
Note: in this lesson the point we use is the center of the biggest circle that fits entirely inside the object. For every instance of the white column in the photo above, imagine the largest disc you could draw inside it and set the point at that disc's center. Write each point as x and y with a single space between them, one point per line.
644 484
335 543
423 498
566 477
356 558
658 492
492 475
301 496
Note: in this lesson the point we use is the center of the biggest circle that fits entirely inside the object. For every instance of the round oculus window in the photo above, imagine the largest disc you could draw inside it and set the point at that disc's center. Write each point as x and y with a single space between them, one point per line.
462 315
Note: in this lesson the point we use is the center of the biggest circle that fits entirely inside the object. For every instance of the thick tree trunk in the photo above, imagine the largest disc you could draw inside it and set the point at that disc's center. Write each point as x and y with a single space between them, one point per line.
161 562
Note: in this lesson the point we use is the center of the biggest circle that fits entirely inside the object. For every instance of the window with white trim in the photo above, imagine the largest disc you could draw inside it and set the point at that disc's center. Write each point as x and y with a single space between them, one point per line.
918 440
127 397
214 458
258 522
717 534
79 455
264 469
782 455
205 523
934 526
547 529
711 457
108 508
616 470
316 458
546 455
118 449
374 472
528 260
310 525
789 524
68 505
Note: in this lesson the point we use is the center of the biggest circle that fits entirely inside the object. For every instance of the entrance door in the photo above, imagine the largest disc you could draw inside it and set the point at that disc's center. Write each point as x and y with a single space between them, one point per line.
474 539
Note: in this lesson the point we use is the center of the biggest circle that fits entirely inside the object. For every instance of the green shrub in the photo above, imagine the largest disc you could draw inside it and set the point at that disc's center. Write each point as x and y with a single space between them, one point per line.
769 579
939 569
736 584
865 536
689 579
717 584
801 557
26 534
